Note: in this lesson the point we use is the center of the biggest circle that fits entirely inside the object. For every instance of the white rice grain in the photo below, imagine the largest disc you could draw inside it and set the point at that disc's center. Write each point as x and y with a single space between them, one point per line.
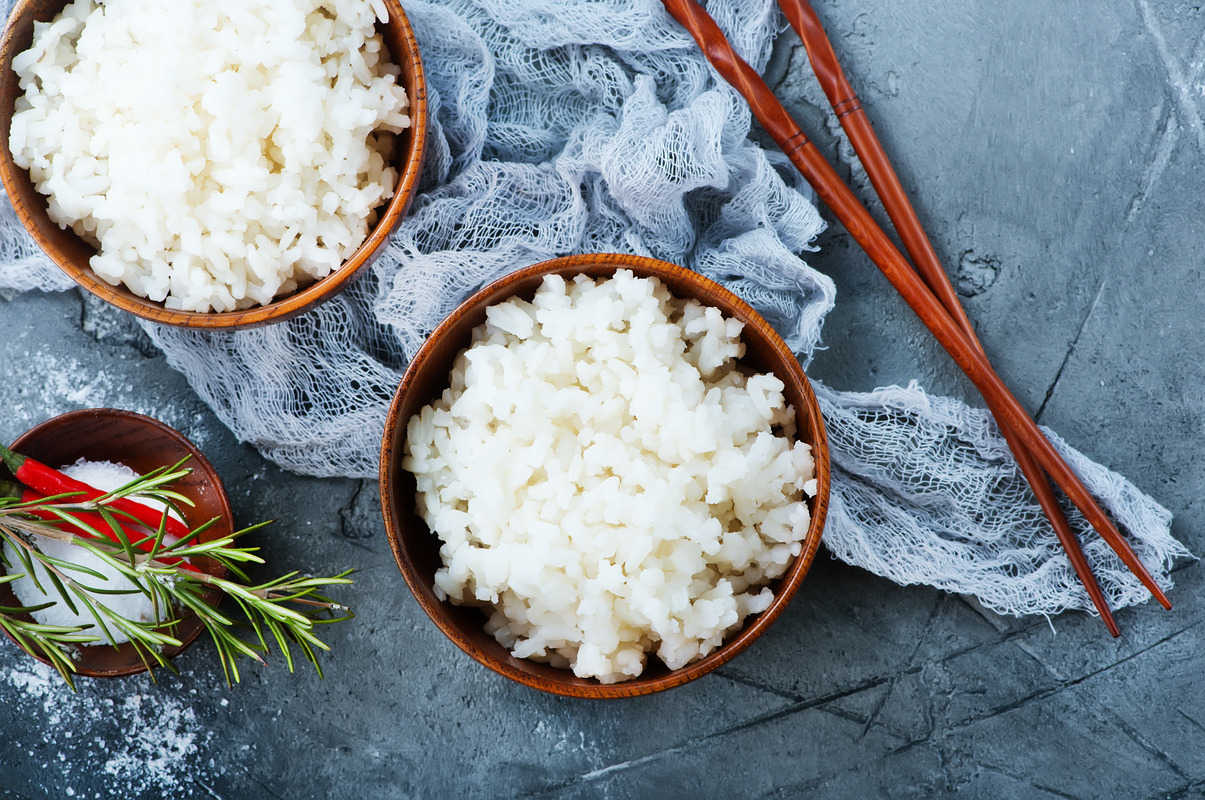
604 479
218 153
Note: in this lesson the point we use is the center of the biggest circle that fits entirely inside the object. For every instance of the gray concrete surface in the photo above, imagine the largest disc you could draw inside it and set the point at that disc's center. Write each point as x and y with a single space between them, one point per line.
1056 153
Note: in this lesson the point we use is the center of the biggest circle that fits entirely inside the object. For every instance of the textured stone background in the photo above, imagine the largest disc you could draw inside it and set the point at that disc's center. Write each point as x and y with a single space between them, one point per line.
1055 153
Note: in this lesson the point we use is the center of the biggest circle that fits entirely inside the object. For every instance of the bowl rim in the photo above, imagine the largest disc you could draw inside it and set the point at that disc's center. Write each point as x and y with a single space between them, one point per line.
390 465
200 465
279 310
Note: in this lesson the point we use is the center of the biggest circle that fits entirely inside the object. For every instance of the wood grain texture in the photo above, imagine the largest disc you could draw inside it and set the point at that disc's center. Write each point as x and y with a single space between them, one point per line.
71 253
857 126
416 549
142 444
884 254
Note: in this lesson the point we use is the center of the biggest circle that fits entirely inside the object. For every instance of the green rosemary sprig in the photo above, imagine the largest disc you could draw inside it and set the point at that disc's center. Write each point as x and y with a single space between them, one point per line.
284 610
54 642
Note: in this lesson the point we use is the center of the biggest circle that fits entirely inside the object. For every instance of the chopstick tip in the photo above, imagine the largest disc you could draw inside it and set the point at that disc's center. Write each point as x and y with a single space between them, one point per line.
1157 592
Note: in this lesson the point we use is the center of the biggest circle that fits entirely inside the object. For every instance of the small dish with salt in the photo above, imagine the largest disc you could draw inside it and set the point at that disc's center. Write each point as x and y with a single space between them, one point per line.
141 444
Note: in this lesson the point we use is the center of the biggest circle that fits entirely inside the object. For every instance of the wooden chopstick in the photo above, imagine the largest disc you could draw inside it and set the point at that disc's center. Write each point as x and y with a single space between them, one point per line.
887 186
882 251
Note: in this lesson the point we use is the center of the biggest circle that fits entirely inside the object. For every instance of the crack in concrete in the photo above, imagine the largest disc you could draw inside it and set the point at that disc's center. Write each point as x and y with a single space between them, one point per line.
989 617
1037 417
209 790
938 604
1168 138
806 705
763 719
1183 565
1028 650
346 529
870 722
793 790
83 312
1191 789
929 715
1191 720
822 703
878 708
107 326
1137 738
842 714
347 509
1071 683
744 680
1029 781
1169 131
259 783
927 739
1181 84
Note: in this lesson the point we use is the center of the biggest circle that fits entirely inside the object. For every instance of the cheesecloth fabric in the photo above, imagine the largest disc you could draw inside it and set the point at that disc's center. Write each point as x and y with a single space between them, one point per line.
561 126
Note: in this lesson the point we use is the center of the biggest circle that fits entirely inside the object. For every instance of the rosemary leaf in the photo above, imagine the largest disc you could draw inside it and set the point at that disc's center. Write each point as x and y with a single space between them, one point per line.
288 606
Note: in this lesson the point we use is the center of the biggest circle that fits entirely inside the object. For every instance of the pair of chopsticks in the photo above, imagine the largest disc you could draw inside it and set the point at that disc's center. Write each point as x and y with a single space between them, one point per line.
927 290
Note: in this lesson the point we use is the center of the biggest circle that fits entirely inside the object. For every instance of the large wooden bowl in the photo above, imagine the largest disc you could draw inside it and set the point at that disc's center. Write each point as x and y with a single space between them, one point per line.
142 444
71 253
416 548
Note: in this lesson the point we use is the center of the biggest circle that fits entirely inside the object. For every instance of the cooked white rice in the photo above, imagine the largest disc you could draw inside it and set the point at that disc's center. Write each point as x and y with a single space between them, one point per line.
605 480
218 153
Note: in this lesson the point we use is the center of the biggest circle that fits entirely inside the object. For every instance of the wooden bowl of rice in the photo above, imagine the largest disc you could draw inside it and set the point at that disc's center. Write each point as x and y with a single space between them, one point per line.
417 549
142 444
73 254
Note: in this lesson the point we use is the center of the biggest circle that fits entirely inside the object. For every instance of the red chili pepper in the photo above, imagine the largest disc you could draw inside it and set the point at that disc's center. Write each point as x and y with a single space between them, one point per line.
37 475
144 541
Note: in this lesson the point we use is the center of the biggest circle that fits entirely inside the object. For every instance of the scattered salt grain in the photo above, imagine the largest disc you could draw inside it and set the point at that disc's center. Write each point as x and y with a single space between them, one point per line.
138 744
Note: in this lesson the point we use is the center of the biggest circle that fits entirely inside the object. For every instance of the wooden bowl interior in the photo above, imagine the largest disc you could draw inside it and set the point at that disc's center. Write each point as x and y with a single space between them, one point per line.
416 549
142 444
72 254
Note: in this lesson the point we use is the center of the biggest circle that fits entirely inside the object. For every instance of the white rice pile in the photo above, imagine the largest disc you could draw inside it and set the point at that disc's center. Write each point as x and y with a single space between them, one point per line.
105 476
218 153
606 481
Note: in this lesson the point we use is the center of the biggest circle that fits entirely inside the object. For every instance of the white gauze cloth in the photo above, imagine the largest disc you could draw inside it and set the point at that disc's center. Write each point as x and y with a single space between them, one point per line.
563 127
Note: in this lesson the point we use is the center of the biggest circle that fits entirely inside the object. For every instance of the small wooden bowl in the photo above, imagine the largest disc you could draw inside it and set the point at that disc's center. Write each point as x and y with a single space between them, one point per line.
72 254
142 444
416 549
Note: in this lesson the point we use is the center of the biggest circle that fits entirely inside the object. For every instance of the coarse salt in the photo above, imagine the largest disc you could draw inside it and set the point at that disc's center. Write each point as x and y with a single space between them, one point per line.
106 476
